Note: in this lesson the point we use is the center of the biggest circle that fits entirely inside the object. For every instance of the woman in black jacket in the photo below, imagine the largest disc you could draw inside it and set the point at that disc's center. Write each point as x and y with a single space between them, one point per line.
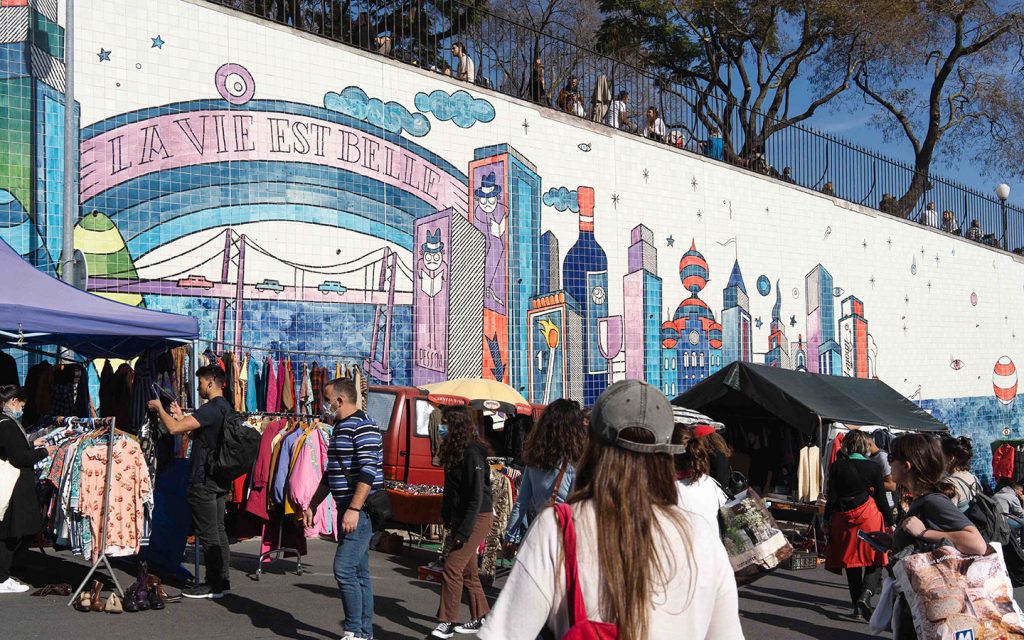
467 511
22 517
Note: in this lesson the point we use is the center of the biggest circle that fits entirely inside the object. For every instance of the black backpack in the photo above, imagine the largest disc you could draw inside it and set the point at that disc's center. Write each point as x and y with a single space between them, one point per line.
984 513
236 449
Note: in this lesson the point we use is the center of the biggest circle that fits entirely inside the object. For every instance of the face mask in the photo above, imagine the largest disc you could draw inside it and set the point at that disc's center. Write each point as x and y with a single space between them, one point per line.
327 410
15 413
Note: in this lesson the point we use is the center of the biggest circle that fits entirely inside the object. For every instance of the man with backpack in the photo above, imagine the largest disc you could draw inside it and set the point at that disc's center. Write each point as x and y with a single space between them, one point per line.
206 491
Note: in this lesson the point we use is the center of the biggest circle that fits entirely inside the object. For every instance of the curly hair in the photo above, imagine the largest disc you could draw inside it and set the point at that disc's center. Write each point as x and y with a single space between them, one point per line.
462 431
558 437
958 452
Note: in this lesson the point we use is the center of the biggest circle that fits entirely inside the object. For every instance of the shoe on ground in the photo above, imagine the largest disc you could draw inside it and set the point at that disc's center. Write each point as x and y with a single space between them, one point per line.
443 630
351 635
202 592
13 586
470 628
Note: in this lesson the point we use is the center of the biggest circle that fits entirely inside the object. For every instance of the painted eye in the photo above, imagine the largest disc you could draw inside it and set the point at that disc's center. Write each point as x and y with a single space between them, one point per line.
956 364
837 291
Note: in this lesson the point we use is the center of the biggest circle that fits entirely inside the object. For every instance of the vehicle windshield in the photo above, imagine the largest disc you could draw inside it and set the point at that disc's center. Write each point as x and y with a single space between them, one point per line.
380 405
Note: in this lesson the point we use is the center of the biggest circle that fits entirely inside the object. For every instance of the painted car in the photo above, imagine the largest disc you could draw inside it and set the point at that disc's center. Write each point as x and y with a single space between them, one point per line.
195 282
332 286
270 285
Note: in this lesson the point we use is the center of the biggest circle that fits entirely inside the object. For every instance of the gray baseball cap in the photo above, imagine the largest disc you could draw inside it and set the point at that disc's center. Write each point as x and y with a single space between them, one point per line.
632 403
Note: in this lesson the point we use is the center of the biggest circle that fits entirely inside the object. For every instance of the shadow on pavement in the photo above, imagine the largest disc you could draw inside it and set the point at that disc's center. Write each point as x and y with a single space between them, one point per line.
809 629
279 622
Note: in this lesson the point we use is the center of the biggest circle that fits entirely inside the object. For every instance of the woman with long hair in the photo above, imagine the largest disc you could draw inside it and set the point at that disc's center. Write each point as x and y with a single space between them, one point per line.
959 452
919 466
467 511
643 564
21 518
856 501
552 449
699 493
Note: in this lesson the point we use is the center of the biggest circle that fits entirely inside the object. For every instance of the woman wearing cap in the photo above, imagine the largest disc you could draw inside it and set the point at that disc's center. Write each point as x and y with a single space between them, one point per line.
856 501
699 493
643 564
467 511
21 518
551 452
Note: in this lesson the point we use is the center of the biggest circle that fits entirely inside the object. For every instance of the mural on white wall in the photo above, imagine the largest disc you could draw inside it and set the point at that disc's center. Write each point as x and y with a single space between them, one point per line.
379 214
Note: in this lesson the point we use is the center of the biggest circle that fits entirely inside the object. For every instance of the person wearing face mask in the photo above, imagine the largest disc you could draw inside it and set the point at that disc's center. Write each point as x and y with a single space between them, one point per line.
21 519
206 495
355 471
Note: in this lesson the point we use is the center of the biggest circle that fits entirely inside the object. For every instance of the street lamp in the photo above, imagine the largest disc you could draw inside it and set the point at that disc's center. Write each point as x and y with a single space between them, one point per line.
1003 193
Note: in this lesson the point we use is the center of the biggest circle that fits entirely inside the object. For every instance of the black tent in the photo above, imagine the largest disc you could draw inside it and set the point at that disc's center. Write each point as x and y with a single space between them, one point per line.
744 392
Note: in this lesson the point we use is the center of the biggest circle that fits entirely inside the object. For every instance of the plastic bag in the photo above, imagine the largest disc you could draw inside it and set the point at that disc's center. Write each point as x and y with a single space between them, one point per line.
881 619
753 539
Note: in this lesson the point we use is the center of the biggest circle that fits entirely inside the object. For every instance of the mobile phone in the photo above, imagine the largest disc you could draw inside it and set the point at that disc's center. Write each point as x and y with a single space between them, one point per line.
878 540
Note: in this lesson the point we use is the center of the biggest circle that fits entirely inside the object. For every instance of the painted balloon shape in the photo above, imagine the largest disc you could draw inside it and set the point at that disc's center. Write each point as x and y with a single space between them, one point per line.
974 299
1004 380
764 285
913 267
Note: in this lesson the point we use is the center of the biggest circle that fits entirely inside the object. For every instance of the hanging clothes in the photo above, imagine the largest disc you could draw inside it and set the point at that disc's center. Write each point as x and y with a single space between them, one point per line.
243 382
251 402
65 385
107 390
809 474
8 369
502 502
121 395
129 490
1003 461
259 481
305 391
36 378
238 397
273 388
362 388
319 377
308 470
287 386
280 386
261 390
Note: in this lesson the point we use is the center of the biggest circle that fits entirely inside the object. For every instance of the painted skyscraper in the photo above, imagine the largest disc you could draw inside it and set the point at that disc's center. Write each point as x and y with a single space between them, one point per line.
549 274
778 346
504 194
699 346
642 309
853 338
737 337
585 272
556 363
823 354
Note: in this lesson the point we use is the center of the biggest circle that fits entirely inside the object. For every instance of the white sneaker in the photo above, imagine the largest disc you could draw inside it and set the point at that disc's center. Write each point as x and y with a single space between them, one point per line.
13 586
351 635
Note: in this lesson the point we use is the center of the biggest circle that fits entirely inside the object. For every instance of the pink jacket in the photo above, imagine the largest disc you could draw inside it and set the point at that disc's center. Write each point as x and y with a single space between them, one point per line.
304 479
257 502
273 388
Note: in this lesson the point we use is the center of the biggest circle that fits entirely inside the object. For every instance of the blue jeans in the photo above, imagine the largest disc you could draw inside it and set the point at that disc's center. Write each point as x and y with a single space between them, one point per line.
352 571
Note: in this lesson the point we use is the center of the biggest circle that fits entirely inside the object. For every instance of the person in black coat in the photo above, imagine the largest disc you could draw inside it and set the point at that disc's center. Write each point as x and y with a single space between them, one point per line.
22 517
468 513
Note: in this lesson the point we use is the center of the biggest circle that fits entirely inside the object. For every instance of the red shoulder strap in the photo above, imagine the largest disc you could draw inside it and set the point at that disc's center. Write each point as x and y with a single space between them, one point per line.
578 608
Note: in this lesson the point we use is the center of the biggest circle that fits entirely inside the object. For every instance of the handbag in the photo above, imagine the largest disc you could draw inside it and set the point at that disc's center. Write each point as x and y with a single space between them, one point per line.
558 485
580 628
378 507
8 478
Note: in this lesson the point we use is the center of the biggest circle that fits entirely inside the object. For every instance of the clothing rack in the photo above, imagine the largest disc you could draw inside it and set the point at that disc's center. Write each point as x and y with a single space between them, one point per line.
102 558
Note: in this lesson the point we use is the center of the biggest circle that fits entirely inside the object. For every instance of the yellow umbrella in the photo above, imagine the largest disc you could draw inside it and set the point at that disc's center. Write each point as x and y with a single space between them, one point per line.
482 394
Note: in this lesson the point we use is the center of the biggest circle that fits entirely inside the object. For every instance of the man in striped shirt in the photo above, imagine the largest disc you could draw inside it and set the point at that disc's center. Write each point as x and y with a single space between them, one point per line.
355 461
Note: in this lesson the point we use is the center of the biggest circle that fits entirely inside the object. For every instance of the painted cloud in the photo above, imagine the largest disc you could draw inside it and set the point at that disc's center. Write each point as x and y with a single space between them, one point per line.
561 199
391 116
459 107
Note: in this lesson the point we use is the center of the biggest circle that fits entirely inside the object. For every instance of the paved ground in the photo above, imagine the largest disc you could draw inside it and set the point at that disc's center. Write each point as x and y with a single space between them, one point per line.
786 605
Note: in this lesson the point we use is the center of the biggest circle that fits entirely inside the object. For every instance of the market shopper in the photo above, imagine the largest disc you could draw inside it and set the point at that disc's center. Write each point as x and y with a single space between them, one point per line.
206 494
467 511
644 565
355 472
20 516
856 501
699 493
959 453
552 451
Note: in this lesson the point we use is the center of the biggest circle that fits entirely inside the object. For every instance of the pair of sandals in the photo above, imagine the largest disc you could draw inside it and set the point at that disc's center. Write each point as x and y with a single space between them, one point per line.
62 589
92 600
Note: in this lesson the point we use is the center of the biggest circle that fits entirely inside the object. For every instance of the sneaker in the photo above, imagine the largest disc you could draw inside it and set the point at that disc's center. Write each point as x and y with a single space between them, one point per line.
470 628
13 586
351 635
443 630
203 591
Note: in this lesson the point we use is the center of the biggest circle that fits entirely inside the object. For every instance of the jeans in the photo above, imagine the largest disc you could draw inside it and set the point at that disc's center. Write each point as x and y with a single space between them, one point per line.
352 571
206 501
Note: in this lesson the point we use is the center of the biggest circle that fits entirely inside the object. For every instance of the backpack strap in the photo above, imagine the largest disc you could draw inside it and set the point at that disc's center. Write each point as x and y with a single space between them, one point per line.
577 608
558 485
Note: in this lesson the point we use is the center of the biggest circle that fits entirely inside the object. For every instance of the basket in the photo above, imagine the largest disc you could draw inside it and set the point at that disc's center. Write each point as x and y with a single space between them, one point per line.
801 560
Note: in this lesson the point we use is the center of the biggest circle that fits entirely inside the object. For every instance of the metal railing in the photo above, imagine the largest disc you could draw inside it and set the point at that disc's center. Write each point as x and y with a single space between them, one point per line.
422 32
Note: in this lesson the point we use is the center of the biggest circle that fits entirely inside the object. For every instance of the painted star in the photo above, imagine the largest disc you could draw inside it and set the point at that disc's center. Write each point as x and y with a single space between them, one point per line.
904 328
929 285
700 214
889 242
872 281
936 258
767 211
792 321
864 243
922 252
158 43
104 55
693 183
647 174
615 200
670 241
757 322
526 127
906 299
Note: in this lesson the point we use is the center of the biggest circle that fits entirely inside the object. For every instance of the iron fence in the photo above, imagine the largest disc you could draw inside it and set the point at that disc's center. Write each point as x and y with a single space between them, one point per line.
422 33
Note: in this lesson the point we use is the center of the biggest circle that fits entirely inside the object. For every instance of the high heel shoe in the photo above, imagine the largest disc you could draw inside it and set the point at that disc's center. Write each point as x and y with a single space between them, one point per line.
97 602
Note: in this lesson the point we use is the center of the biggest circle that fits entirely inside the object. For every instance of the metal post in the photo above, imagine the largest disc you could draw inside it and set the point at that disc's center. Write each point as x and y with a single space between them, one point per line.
67 249
1003 205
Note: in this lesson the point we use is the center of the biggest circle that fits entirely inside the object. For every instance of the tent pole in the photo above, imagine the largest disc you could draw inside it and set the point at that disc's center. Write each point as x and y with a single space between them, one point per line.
68 267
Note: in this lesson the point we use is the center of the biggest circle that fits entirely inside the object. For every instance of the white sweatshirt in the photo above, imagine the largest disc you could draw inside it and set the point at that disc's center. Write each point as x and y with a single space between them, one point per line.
534 596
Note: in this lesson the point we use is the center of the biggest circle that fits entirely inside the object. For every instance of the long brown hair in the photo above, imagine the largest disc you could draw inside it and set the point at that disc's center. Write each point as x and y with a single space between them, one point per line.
557 438
959 452
927 463
627 491
462 431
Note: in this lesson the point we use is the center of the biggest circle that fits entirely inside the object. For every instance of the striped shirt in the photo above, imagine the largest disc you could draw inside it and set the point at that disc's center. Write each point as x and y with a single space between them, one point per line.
355 454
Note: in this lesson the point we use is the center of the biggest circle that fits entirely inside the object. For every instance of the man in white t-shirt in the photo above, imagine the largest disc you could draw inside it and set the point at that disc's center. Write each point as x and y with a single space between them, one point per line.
617 118
466 70
930 216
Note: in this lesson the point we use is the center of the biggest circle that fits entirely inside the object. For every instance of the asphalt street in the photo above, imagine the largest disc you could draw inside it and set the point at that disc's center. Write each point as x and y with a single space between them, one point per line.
790 605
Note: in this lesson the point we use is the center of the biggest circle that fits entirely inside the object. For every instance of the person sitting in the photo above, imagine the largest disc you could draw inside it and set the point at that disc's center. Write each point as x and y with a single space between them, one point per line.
949 224
1008 496
677 139
959 452
654 129
974 232
570 100
930 217
828 189
787 175
617 117
716 145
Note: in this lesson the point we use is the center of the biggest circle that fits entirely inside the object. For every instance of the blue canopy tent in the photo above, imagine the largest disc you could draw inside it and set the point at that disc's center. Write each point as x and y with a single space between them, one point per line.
37 309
